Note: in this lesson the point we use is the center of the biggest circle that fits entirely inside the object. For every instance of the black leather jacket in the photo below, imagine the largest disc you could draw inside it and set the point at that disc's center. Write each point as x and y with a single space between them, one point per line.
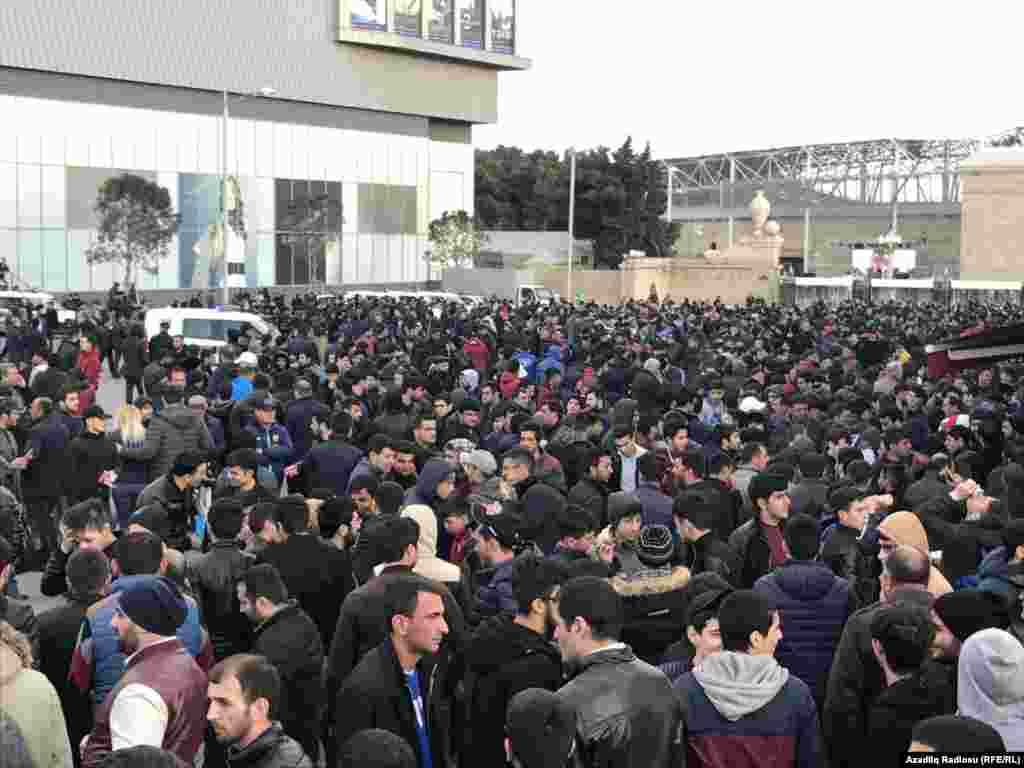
626 712
214 577
271 749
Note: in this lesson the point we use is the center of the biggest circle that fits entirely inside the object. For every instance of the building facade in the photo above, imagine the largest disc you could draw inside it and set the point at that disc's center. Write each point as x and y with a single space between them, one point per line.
349 128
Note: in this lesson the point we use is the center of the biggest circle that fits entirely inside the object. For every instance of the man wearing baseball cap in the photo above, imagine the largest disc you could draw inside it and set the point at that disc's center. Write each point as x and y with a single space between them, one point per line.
160 700
92 455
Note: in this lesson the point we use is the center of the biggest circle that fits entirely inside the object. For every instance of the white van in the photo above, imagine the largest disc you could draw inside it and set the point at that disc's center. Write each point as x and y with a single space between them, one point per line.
12 300
205 327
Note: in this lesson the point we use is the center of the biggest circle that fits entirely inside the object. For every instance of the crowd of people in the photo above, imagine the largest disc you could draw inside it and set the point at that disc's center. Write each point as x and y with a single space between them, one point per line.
406 534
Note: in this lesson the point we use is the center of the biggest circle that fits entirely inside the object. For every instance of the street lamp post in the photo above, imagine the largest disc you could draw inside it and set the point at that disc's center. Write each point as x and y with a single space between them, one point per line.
265 92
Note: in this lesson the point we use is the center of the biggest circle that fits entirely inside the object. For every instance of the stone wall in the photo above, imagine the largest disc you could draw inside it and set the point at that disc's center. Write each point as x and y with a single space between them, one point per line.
673 278
992 218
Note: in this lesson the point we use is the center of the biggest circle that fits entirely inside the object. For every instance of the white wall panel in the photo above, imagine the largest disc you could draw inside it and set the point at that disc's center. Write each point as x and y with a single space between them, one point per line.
446 192
242 147
364 261
167 138
300 150
350 206
146 145
210 133
186 134
54 196
94 120
30 196
379 150
263 149
8 134
57 120
283 151
8 195
123 131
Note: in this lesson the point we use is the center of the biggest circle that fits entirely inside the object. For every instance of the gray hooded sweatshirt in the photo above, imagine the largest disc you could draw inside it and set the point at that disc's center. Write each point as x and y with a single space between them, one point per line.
739 684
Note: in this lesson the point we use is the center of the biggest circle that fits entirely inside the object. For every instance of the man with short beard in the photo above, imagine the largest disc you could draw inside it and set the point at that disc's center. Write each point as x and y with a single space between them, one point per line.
244 697
510 653
160 699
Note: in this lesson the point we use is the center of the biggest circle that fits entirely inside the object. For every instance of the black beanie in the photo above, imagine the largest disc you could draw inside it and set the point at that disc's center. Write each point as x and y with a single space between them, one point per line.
154 604
956 733
969 611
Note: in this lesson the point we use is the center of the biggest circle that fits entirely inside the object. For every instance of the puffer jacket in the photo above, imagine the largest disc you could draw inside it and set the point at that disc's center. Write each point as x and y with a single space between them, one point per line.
654 609
214 576
175 430
626 711
813 604
503 659
428 564
272 749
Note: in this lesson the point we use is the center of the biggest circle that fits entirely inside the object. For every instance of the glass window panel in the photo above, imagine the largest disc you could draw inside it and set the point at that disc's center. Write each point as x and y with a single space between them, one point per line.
300 260
471 22
8 195
364 268
502 25
369 14
349 254
283 261
55 260
407 17
30 258
79 275
440 28
334 209
332 260
54 196
265 245
30 194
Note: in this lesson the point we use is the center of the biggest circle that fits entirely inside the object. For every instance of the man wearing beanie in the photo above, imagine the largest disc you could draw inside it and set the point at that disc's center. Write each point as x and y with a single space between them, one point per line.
541 730
160 701
958 615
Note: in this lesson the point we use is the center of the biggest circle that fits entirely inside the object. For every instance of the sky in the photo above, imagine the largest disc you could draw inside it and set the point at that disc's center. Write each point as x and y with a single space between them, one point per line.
705 77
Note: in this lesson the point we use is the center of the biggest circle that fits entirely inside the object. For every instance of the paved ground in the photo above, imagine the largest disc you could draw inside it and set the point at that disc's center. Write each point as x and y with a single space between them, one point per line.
111 397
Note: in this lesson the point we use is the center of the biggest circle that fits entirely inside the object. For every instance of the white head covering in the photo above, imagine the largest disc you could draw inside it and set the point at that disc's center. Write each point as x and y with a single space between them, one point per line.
990 683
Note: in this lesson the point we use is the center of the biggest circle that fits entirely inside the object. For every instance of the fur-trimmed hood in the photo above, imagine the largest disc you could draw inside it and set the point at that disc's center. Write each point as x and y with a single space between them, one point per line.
652 581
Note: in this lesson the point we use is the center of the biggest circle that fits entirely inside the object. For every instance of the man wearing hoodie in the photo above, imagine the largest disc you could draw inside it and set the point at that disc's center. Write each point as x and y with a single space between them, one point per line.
901 528
433 486
743 709
428 563
855 678
510 653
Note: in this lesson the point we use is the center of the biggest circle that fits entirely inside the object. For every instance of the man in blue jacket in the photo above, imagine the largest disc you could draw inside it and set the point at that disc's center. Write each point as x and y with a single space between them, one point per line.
272 439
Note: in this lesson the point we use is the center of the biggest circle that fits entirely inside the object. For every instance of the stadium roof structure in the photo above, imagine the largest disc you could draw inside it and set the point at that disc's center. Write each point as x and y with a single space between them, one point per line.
919 174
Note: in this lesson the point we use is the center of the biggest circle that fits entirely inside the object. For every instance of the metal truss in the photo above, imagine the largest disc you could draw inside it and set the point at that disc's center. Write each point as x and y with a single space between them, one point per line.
881 172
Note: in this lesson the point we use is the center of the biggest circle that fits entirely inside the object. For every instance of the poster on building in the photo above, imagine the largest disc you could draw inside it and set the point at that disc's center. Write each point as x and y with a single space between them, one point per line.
369 14
502 26
441 21
471 21
407 17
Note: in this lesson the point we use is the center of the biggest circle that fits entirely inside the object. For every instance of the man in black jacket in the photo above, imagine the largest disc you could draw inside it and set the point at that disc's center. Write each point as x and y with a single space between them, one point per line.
289 639
84 526
758 545
396 687
318 575
626 710
88 577
245 699
694 514
509 654
214 576
92 454
330 464
591 492
841 548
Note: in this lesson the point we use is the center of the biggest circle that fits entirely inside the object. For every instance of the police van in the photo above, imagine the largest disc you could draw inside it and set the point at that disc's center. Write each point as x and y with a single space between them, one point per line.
209 328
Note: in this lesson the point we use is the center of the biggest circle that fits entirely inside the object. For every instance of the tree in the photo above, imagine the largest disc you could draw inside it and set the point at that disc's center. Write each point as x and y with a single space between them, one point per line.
620 197
136 225
455 240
